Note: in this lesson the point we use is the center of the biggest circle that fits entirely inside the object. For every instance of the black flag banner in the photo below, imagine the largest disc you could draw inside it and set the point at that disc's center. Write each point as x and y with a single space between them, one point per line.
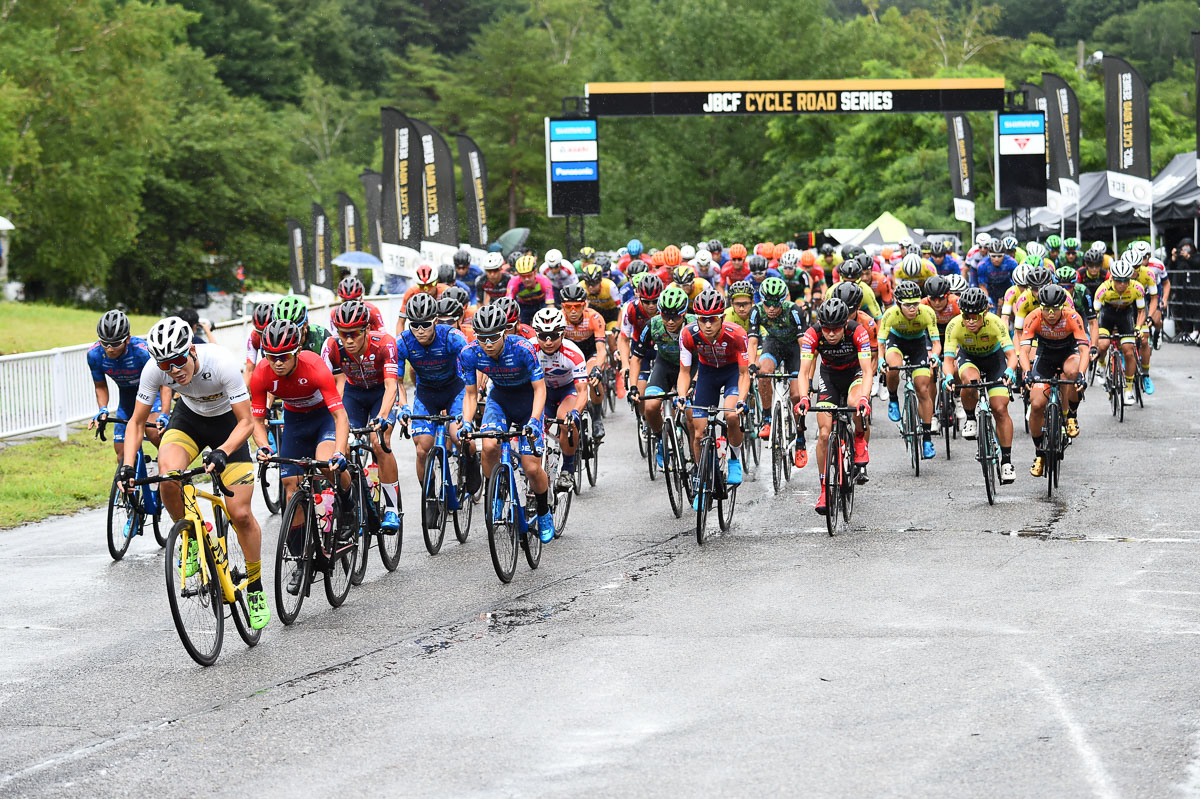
296 256
474 178
1196 57
441 199
962 166
349 229
322 252
1035 100
1062 130
403 201
372 183
1127 131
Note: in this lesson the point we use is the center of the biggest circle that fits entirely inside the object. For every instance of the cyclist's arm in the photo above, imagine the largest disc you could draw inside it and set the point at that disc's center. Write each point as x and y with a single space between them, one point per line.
539 398
743 379
243 429
101 399
935 338
684 382
135 431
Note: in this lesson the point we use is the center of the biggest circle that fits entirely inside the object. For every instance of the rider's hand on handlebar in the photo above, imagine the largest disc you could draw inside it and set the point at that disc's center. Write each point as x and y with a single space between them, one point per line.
864 406
126 475
264 453
162 421
215 461
802 406
338 461
100 416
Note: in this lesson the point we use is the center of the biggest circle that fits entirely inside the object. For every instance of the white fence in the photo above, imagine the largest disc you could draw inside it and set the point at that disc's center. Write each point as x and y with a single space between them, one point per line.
53 388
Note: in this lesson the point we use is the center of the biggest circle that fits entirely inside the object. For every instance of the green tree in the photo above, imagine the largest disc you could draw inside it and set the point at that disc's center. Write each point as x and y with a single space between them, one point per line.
254 51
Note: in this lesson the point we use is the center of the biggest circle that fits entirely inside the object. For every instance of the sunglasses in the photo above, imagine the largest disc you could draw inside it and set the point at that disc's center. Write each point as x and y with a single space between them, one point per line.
420 325
573 306
772 304
352 334
549 336
280 357
972 317
177 362
837 329
671 317
112 345
491 338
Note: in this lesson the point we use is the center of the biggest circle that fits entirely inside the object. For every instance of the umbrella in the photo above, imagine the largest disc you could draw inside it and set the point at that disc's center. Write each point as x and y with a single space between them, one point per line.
358 260
512 239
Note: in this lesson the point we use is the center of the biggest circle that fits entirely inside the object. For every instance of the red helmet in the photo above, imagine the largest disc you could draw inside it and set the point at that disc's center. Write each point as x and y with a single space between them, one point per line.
709 303
350 315
350 288
425 275
672 257
281 336
262 315
737 251
650 288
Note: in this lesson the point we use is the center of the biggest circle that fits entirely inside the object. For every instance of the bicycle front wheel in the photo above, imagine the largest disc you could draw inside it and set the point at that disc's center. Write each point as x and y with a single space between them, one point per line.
672 469
849 475
777 454
195 599
124 520
911 435
833 481
433 502
592 462
293 556
703 495
502 527
236 560
271 486
464 503
1052 430
364 500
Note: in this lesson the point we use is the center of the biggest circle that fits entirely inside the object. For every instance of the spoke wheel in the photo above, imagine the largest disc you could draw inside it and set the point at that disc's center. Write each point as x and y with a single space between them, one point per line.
643 431
833 481
502 523
195 601
672 469
271 485
293 555
753 425
464 503
849 474
531 543
726 506
369 509
1052 430
240 609
648 444
704 491
592 463
433 502
788 445
338 571
122 513
777 453
911 436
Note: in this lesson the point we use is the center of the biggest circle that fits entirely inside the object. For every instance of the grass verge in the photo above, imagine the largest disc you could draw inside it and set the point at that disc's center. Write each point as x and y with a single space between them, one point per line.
30 326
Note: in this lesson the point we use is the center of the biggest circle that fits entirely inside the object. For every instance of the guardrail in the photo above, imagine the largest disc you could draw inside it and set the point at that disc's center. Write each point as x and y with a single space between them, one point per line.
53 388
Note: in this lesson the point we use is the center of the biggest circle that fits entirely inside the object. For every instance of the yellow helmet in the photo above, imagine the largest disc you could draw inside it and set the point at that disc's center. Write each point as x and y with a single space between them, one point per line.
592 273
526 264
587 253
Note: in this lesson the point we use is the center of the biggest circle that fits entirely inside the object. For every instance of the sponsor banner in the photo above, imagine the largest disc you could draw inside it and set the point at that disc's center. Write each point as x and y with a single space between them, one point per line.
572 186
672 98
1069 190
1062 128
574 151
1127 119
400 260
403 207
1033 144
321 273
962 158
437 176
1130 188
349 229
572 130
964 210
574 170
474 177
296 247
1021 124
372 182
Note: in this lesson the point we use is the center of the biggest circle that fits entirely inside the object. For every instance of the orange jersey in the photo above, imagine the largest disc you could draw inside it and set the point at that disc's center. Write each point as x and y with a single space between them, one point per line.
1069 330
946 314
590 327
412 291
866 321
880 284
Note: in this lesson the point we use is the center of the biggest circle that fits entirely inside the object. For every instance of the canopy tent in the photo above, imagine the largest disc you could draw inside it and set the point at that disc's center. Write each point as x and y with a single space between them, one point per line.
1176 195
887 229
1093 193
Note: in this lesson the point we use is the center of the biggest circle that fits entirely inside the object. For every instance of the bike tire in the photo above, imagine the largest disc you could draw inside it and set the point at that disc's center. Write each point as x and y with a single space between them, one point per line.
752 426
849 477
788 445
240 610
1138 393
391 544
983 437
287 604
271 491
196 606
706 469
531 544
913 435
562 510
639 424
433 502
672 470
726 507
610 395
1052 430
592 463
122 509
648 443
338 574
776 446
833 481
464 503
502 527
364 540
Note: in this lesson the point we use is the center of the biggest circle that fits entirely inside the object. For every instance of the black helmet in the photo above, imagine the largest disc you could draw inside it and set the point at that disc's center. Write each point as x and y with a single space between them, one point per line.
573 293
1093 257
1039 276
449 307
852 250
113 327
262 315
636 267
938 248
1052 296
849 292
850 270
462 258
832 313
908 290
826 249
350 288
937 286
757 263
715 247
458 293
281 336
973 300
421 307
513 256
490 319
602 260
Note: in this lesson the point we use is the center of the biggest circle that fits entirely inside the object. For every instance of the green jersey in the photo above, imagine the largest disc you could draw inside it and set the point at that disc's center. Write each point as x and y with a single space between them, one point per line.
656 338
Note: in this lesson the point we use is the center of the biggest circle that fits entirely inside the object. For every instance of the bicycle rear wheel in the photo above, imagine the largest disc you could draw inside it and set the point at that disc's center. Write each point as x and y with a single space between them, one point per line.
849 476
433 502
591 464
986 442
833 481
237 574
639 424
390 544
293 556
195 600
339 569
911 435
531 543
502 528
651 451
464 503
752 423
704 493
777 454
672 469
1052 430
364 500
123 515
726 506
271 486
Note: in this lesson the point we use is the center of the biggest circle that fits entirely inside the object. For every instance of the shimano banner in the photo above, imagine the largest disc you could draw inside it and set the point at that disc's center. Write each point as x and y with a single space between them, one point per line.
441 199
295 232
962 166
1062 127
474 178
1127 132
372 183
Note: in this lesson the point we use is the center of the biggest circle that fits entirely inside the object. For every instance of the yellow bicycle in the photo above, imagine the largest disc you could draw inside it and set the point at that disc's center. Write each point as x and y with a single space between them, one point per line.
199 587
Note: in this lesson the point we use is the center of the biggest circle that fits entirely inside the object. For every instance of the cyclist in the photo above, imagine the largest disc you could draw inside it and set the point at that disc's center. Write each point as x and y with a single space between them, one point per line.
706 268
1070 254
684 276
1120 305
741 303
606 268
943 260
517 391
1012 248
829 260
913 268
1020 282
426 283
351 288
1054 245
852 270
561 272
260 319
776 325
995 273
978 347
1141 257
604 298
759 271
1090 276
634 317
1038 278
846 375
585 329
467 273
943 303
587 255
735 268
908 332
214 411
798 281
719 350
451 313
364 364
853 295
872 278
633 252
494 283
1063 346
975 258
1065 276
659 344
531 290
294 309
565 369
123 358
717 250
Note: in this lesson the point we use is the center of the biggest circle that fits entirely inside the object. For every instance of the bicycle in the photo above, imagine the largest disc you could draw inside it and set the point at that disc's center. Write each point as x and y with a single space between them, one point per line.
506 515
841 473
754 422
986 441
303 550
127 513
272 490
369 494
442 488
944 412
910 422
588 453
783 427
711 471
198 596
1054 432
674 468
1114 376
560 501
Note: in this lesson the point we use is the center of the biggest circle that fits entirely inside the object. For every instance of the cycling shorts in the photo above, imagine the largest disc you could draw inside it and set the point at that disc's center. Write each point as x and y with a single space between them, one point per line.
194 433
127 397
663 377
434 400
990 367
529 311
587 347
914 350
510 404
784 354
836 384
1117 321
303 432
611 317
362 404
1050 361
555 396
713 386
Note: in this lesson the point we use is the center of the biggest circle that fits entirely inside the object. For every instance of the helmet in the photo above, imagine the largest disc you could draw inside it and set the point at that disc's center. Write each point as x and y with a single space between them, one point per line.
910 267
524 266
1093 257
636 267
851 250
741 288
549 320
789 258
592 273
1098 245
585 254
715 247
703 258
426 275
490 319
1020 275
926 247
780 249
982 239
703 245
462 258
1121 270
494 260
683 274
1052 296
512 311
601 260
1131 257
421 307
650 287
554 257
850 270
1143 249
1066 275
938 248
351 315
762 248
671 256
886 253
262 316
912 249
514 256
350 288
449 308
757 264
1009 243
113 327
973 300
737 251
1038 276
622 252
673 300
1054 242
826 249
905 242
1032 261
1034 248
849 292
291 308
937 286
995 247
833 313
687 252
773 288
458 293
907 291
281 336
808 258
1070 243
573 293
635 247
658 259
866 261
958 284
709 303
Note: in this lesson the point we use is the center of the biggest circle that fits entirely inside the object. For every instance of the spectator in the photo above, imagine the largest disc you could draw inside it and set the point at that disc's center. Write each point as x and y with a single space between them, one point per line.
201 328
1184 271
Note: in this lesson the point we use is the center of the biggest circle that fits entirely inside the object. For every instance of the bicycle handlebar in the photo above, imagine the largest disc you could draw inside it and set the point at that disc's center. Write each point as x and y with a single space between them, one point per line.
780 375
185 475
102 423
366 432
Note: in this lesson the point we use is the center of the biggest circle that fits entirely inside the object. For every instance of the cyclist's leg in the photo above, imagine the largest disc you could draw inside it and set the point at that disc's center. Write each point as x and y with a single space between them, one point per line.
767 362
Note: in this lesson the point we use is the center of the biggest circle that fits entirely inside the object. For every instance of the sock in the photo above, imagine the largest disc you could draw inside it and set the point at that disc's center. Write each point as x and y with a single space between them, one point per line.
568 463
893 396
971 414
1006 454
254 575
389 495
925 431
1074 407
1037 443
543 503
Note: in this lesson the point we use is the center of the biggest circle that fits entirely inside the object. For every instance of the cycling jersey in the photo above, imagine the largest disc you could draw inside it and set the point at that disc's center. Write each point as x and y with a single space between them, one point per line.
693 291
559 276
1134 295
785 328
991 337
213 389
377 363
864 319
731 275
729 347
309 385
799 285
374 315
564 367
732 317
633 319
603 296
656 338
849 353
516 366
923 324
757 283
869 303
487 291
436 365
588 333
540 293
1010 299
1027 302
125 370
1066 333
880 285
996 278
253 347
1143 276
438 289
949 266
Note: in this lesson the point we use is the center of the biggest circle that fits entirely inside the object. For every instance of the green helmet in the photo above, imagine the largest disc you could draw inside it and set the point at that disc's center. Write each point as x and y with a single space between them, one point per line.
291 308
1034 260
1070 243
773 288
1054 242
637 279
673 300
1065 274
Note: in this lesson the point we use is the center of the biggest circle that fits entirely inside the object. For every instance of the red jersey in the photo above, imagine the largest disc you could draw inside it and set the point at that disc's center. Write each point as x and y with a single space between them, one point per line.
729 274
308 385
625 260
376 316
727 349
525 331
633 319
378 361
849 352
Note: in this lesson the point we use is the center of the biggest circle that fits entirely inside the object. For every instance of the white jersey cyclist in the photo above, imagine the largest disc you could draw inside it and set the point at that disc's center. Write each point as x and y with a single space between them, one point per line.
212 391
563 367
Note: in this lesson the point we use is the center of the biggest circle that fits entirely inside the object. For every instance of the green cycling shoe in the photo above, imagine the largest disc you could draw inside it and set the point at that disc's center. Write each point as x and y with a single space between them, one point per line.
256 605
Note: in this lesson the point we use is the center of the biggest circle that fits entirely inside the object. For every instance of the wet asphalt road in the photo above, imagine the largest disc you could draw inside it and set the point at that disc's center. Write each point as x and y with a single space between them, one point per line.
941 648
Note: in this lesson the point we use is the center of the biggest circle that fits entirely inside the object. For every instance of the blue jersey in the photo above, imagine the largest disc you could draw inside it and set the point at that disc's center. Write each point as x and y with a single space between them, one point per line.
758 283
436 365
997 279
125 371
517 365
468 280
950 266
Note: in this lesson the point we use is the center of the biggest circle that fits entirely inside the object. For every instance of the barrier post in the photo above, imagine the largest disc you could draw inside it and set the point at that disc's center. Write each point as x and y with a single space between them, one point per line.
58 392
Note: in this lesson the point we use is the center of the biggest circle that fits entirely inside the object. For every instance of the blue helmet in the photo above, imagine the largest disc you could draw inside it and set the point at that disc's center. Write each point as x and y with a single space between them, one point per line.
635 247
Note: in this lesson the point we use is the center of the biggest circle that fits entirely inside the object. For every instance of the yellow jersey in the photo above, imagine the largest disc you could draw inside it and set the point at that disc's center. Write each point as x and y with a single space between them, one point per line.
1134 296
923 324
1027 302
991 337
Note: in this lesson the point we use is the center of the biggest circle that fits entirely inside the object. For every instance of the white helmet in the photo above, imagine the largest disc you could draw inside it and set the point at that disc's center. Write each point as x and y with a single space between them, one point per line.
982 239
494 260
702 246
1122 269
703 259
687 252
1099 246
553 256
790 258
958 283
910 267
549 320
905 242
1036 249
169 338
1143 250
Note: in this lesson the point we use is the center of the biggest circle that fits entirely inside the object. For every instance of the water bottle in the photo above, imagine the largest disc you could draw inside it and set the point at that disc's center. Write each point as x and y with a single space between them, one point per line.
324 502
151 471
373 477
722 448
